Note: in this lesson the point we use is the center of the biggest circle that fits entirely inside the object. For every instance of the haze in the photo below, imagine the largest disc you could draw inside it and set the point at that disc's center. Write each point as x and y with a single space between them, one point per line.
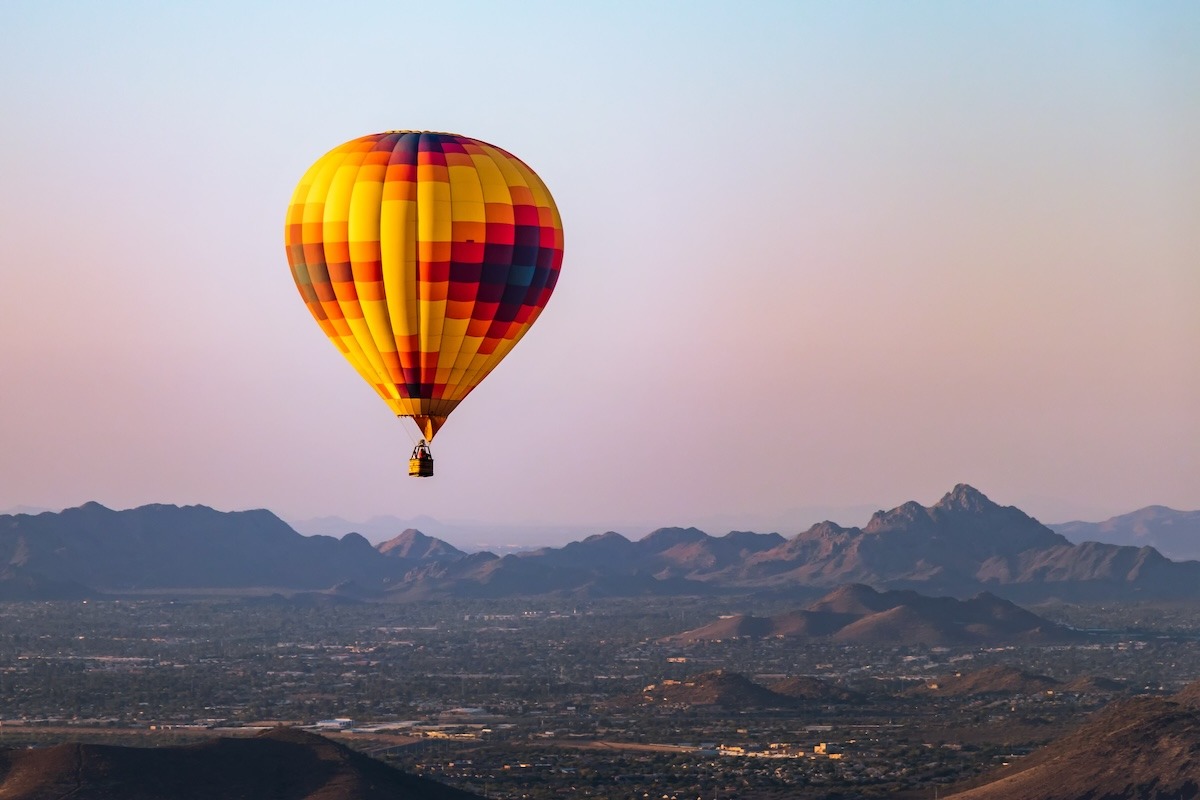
818 256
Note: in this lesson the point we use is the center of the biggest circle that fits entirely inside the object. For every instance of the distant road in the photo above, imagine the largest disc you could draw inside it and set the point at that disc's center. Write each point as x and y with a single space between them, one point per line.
591 744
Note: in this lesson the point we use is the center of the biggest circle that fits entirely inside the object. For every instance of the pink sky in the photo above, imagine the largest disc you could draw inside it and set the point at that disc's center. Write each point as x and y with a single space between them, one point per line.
817 255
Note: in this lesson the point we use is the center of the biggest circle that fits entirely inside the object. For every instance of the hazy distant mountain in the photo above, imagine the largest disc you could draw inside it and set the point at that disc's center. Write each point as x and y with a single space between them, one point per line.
858 614
1144 748
468 535
282 764
488 575
665 553
172 547
602 565
413 544
25 510
375 530
503 538
1175 534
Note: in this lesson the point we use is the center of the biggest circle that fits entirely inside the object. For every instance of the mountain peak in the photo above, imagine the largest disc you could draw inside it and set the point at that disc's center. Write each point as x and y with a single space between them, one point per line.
851 598
606 538
663 538
964 497
961 501
411 543
356 540
910 514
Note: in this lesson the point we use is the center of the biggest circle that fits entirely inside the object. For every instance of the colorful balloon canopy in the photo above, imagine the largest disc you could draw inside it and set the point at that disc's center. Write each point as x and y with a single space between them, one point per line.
424 257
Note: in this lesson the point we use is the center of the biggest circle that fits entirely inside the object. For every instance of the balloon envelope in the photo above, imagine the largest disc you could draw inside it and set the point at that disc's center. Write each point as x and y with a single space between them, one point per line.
424 257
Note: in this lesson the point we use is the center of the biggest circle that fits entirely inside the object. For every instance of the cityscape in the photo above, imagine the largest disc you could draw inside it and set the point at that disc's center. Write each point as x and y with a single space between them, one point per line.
545 698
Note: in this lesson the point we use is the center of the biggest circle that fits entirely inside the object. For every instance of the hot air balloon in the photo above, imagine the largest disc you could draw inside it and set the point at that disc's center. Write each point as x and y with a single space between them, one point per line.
424 257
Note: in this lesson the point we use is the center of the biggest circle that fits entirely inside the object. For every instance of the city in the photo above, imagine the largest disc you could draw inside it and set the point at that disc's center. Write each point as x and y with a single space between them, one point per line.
554 698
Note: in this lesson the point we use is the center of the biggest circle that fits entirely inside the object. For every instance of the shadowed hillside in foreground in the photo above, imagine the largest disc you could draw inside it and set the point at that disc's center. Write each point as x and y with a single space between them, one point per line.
281 764
1145 748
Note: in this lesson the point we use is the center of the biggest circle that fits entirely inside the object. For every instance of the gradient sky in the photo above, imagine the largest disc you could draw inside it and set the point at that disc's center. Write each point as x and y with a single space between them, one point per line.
818 256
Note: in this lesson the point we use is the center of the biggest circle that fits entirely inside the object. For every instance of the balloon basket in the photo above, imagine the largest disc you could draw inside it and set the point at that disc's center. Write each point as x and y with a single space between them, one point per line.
420 464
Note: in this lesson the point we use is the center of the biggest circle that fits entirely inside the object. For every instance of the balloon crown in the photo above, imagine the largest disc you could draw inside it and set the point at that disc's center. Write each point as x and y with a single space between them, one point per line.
438 133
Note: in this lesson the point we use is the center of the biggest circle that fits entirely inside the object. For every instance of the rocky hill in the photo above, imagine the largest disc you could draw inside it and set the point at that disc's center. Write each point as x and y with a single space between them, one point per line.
282 764
1008 681
720 687
858 614
1189 695
1175 534
994 680
1144 748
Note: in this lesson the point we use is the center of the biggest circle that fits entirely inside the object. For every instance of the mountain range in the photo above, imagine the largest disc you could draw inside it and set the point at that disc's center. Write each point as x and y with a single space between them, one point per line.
960 546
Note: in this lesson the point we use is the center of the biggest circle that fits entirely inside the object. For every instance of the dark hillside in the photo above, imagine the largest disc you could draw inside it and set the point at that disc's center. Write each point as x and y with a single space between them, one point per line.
282 764
1144 748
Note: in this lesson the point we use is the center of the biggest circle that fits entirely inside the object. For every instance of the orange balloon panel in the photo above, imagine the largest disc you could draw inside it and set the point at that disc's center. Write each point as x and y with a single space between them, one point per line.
424 257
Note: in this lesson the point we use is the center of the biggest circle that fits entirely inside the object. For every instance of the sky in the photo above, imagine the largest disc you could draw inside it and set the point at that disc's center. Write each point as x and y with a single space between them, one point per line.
820 258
